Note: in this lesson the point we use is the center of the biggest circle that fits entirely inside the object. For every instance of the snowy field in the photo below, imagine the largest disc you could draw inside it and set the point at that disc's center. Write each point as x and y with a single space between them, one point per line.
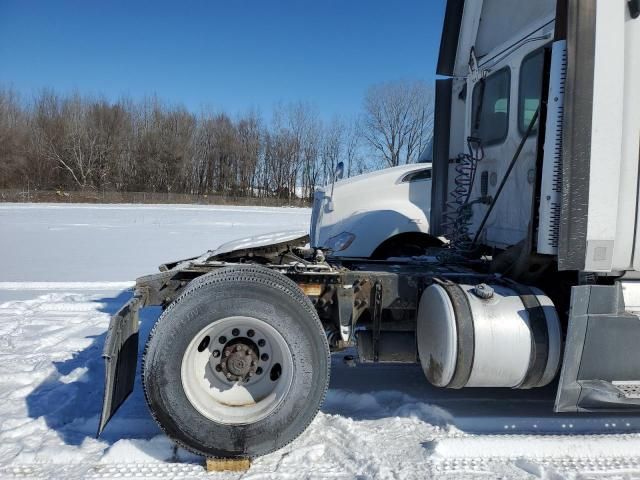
67 268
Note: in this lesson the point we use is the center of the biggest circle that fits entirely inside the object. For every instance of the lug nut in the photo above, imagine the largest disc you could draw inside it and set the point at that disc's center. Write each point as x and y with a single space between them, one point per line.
264 357
238 348
258 370
250 333
229 376
218 368
235 332
216 353
261 342
222 339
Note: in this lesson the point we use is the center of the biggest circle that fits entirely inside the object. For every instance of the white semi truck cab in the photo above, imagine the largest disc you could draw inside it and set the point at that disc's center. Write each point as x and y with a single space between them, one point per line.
535 184
537 148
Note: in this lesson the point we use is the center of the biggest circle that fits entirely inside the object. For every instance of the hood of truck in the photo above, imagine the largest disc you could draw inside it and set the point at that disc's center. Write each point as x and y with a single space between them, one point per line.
372 178
242 246
355 199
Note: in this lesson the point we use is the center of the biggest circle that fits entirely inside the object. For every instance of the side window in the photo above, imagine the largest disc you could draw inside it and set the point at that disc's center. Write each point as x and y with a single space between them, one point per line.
490 114
530 88
417 176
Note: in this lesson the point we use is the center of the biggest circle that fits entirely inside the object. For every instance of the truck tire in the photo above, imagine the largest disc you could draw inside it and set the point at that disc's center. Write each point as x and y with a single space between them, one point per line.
247 268
238 365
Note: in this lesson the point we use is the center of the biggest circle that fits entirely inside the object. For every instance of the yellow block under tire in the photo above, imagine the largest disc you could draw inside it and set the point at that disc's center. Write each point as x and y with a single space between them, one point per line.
245 293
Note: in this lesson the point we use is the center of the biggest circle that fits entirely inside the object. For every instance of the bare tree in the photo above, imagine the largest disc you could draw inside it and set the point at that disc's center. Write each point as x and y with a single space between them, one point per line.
353 142
62 138
13 136
80 142
311 151
249 131
397 119
332 148
302 124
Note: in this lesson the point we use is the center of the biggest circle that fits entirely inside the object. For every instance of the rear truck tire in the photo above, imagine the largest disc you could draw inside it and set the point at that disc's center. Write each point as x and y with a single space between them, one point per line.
238 365
247 268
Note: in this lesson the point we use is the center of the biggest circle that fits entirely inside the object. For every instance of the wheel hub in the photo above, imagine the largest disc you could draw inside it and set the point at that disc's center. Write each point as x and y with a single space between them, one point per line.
239 361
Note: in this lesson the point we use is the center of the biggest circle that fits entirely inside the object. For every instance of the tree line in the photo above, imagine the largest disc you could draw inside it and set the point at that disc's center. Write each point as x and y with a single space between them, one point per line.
77 142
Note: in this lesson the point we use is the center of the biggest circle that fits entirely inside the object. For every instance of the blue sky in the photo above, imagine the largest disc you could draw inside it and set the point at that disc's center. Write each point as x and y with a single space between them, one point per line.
232 55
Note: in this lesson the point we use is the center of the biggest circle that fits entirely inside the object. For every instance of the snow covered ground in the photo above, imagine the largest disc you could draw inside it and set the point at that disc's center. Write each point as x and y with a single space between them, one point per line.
67 268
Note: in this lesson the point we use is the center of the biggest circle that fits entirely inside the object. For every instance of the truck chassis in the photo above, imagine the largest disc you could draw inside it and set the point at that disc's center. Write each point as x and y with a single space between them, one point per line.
369 304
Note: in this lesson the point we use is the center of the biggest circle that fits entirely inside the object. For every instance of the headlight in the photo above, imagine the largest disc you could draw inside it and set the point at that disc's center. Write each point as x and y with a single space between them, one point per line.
340 242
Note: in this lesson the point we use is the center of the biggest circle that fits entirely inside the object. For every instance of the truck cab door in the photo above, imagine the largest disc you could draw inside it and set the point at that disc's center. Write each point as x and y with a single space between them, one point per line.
503 103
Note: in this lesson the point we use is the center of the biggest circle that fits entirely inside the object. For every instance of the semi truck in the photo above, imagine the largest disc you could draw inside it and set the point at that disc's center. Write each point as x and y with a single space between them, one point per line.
535 187
351 222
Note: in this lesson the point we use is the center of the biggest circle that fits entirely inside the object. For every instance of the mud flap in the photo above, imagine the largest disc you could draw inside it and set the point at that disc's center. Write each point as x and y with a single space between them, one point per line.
121 357
601 367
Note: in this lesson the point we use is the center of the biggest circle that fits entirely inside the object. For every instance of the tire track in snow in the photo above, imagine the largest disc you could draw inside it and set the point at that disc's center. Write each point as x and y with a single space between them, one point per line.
366 435
603 468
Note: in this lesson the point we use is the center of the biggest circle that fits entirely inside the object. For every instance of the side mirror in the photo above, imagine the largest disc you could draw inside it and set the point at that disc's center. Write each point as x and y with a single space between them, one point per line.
339 173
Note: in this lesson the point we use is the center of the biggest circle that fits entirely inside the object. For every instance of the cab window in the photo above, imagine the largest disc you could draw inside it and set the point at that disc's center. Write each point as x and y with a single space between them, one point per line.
530 89
418 176
490 115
